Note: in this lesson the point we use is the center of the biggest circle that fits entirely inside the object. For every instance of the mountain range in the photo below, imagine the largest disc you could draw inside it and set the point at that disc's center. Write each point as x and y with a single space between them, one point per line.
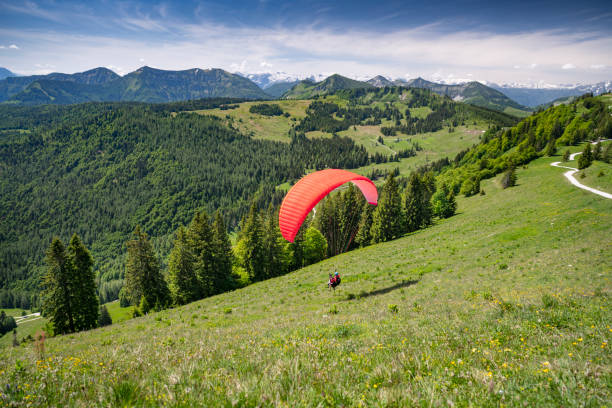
473 93
529 95
5 73
143 85
154 85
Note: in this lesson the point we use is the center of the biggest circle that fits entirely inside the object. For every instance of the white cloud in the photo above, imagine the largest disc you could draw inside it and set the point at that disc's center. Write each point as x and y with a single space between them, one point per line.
13 47
598 66
306 51
568 66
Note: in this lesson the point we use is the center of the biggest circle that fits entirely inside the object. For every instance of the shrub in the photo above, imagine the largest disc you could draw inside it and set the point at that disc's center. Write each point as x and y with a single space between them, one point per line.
266 109
470 186
104 318
393 308
509 178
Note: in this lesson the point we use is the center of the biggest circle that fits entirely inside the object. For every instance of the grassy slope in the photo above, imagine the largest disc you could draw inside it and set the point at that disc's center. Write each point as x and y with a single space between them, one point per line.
30 328
261 126
512 308
598 175
436 145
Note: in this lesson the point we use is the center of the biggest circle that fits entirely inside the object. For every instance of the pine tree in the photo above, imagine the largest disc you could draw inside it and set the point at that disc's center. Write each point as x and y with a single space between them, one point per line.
272 244
84 285
444 204
254 251
566 155
363 237
551 147
182 280
586 158
200 236
223 279
349 210
58 294
597 152
143 278
417 204
328 223
315 246
104 318
387 221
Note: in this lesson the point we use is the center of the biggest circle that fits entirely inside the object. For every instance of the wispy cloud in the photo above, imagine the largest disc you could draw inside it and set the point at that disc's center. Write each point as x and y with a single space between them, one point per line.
424 50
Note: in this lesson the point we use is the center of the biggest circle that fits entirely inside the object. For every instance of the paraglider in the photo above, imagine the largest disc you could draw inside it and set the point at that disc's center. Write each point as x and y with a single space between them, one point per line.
311 189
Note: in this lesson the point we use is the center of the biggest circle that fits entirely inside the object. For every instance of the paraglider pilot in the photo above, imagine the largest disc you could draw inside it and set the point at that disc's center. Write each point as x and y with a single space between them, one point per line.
333 280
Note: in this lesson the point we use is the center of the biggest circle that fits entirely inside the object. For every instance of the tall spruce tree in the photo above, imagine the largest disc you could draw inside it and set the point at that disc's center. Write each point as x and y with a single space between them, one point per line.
586 158
349 211
223 279
254 250
200 235
182 280
144 283
417 204
104 319
273 246
363 237
84 285
387 221
58 293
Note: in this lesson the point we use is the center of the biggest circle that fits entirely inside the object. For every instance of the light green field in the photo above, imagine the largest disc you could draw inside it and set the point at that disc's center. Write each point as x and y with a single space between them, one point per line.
436 145
506 303
517 112
117 313
261 126
14 312
33 325
598 175
24 329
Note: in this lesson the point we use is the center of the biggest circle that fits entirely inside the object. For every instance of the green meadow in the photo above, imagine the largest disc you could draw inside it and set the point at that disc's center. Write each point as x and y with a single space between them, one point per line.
507 303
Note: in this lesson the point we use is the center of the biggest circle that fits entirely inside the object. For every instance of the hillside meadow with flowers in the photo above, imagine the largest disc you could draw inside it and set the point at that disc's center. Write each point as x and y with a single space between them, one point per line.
505 304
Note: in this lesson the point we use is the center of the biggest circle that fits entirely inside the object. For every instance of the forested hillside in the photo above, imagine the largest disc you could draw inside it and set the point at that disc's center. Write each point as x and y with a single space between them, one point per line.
100 169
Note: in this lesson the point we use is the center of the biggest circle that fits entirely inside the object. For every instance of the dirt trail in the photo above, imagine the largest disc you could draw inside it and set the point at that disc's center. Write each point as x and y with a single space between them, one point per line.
570 176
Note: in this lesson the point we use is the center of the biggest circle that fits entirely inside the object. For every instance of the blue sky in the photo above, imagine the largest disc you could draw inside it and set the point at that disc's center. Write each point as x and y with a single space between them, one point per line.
498 41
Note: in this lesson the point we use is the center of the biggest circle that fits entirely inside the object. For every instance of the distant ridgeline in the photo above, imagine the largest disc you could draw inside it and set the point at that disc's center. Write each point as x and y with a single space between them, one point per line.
98 169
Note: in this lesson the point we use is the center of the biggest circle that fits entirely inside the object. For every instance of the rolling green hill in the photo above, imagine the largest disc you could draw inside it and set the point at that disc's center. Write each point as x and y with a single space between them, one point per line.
278 89
308 89
507 303
474 93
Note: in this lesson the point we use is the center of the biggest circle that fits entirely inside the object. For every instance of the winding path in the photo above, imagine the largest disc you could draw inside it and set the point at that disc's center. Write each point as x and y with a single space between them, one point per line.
570 176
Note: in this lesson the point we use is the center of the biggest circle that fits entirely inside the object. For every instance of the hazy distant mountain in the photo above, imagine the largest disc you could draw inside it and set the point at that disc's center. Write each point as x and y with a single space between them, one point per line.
277 89
156 85
5 73
307 89
473 93
379 81
13 85
143 85
540 96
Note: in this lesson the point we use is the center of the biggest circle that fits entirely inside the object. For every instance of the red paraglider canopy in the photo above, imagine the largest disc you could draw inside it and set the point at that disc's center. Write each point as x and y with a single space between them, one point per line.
311 189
